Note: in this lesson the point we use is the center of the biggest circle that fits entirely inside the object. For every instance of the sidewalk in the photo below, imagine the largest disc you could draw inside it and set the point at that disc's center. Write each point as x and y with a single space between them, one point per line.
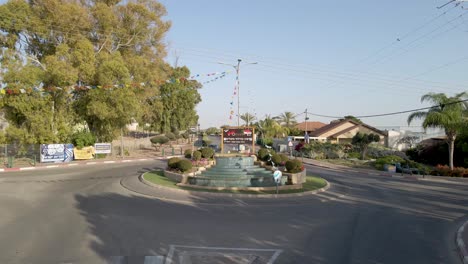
80 162
416 177
462 242
355 170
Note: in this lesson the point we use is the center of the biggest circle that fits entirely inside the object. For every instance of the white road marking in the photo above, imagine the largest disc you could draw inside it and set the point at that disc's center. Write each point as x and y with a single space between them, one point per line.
91 163
28 168
170 254
154 260
109 161
73 164
52 166
116 260
276 252
275 256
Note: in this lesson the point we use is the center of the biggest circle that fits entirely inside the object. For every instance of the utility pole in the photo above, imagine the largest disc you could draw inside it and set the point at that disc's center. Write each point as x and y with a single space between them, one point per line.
237 68
306 134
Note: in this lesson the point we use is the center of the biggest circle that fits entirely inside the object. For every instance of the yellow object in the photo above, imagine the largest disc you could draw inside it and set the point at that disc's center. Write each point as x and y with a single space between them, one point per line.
84 153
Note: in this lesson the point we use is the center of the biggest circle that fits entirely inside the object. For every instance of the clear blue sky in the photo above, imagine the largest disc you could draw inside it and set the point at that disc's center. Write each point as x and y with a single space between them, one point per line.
332 57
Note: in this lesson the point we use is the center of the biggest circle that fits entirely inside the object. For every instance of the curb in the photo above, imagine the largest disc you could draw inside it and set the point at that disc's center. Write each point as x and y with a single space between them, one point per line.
84 163
237 195
461 244
452 180
356 171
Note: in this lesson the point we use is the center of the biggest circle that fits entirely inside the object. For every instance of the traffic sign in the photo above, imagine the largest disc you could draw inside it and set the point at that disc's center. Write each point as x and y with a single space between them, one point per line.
277 175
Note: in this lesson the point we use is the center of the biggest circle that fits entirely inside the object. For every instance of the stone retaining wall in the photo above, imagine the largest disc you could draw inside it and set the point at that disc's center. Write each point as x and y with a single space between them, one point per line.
281 187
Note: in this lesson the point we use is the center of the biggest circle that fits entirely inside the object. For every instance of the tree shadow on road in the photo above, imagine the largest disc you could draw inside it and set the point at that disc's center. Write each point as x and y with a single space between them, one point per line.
133 225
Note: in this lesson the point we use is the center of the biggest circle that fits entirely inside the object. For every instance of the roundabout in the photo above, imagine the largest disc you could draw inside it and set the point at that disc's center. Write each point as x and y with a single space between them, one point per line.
105 214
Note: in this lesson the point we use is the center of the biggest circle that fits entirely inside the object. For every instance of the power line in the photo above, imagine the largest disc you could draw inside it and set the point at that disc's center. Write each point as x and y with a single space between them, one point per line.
404 36
373 77
395 54
393 113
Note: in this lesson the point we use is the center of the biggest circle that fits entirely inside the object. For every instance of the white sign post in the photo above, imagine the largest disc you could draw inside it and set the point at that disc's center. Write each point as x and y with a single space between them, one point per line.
290 145
277 175
103 148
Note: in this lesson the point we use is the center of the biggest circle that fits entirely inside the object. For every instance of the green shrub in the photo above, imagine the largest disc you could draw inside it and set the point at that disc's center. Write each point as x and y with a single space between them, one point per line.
207 153
188 153
392 159
265 141
101 156
159 140
83 139
184 165
263 154
172 162
423 169
294 166
284 158
170 136
354 155
276 159
197 155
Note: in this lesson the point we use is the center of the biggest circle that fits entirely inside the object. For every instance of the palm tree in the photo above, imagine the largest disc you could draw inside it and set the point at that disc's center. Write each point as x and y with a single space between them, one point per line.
270 128
287 119
447 113
248 118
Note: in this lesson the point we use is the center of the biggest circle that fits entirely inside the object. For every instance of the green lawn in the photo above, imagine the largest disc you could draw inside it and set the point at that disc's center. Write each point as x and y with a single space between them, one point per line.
157 177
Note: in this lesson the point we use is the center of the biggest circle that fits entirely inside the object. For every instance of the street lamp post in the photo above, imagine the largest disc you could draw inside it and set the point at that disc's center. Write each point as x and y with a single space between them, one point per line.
199 135
237 68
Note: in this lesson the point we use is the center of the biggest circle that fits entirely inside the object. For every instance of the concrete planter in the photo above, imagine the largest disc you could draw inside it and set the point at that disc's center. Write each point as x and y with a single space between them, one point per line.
296 178
183 178
177 176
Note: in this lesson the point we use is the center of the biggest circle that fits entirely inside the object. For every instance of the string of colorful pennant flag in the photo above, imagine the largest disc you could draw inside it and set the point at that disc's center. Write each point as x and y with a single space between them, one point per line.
8 90
236 90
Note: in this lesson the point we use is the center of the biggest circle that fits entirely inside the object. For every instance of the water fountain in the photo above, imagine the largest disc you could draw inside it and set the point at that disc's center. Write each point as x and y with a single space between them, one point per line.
235 172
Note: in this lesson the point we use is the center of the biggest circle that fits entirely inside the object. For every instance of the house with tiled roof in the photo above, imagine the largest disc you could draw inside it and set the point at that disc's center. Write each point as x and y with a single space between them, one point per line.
310 126
342 131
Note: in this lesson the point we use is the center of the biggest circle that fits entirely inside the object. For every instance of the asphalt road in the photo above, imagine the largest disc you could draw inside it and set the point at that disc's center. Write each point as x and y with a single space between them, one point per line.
85 215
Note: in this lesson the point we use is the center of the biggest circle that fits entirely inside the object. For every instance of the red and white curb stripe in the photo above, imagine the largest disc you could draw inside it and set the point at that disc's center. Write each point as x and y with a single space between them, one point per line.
461 244
84 163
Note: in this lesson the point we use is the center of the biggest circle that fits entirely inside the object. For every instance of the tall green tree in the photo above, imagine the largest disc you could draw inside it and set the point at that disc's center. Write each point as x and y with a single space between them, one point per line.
179 99
248 118
447 113
57 44
287 119
352 118
270 128
363 140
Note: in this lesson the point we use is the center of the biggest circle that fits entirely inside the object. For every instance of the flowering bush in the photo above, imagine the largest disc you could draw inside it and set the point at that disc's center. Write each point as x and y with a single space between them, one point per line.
444 170
294 166
299 146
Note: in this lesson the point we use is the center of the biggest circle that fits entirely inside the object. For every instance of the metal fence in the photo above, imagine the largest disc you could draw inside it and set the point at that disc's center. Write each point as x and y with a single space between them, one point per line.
19 154
26 155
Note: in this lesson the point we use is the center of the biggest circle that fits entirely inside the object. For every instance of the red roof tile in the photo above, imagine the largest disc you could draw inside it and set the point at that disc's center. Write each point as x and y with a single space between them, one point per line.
311 125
